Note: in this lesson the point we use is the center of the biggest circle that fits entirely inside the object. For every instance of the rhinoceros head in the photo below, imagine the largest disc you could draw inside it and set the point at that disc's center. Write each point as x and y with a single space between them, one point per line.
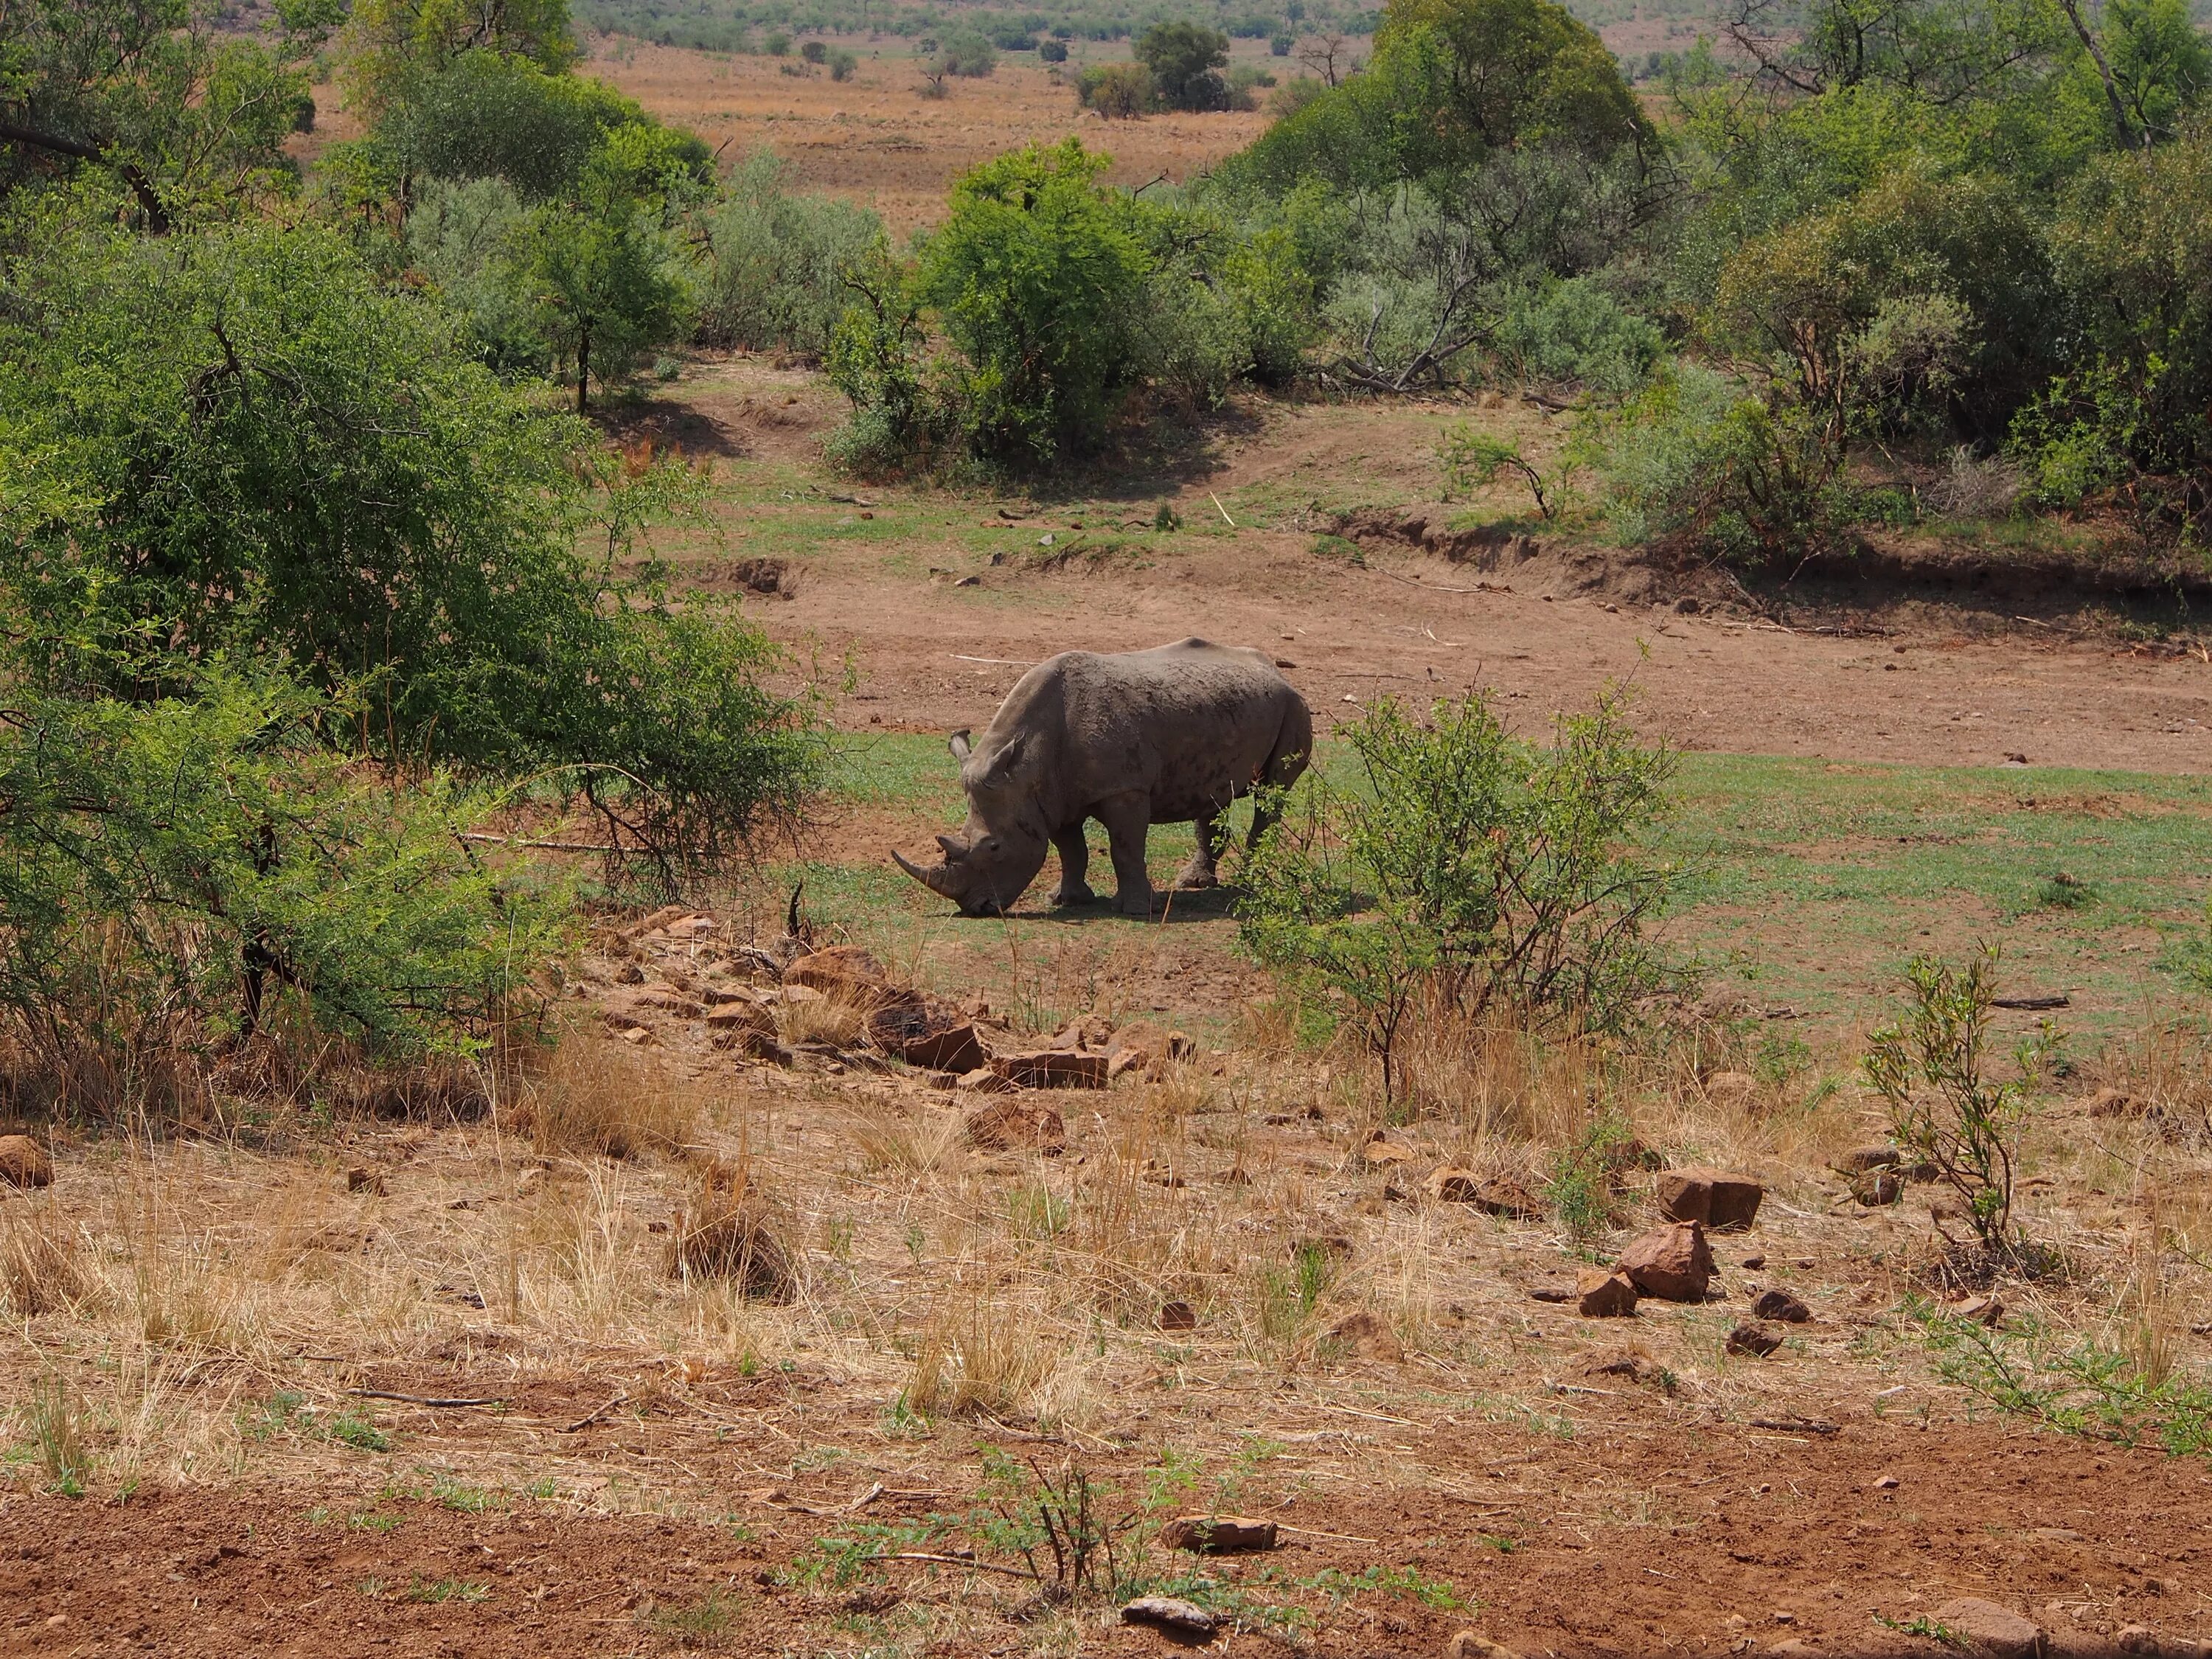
1002 846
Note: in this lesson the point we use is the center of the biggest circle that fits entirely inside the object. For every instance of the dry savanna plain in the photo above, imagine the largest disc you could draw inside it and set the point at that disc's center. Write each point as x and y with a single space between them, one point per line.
765 1315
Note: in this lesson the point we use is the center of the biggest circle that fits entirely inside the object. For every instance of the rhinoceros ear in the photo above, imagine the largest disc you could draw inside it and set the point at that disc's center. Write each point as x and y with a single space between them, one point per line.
958 743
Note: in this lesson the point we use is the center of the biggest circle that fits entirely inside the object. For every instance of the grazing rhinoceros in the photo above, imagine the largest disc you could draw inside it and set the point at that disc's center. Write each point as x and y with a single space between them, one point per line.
1171 735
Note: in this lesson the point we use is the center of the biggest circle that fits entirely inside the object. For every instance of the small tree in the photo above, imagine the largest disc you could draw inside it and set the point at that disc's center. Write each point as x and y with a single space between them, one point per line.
1186 61
1930 1069
1471 870
1119 92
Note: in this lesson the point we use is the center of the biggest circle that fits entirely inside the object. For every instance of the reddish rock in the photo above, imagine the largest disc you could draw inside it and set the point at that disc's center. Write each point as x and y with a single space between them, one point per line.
1178 1315
927 1034
1861 1159
24 1163
849 973
1722 1203
1778 1304
1218 1535
362 1179
1753 1340
1184 1620
1990 1631
1877 1187
1013 1125
1382 1152
1672 1263
1053 1068
1601 1295
985 1081
1368 1336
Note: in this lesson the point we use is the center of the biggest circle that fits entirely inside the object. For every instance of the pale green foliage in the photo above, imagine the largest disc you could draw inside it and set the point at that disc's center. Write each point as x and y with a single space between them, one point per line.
1468 870
1931 1070
776 262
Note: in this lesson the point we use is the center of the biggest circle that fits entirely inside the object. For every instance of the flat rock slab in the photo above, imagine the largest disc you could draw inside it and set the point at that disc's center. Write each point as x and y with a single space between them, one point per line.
1053 1068
1720 1202
1218 1535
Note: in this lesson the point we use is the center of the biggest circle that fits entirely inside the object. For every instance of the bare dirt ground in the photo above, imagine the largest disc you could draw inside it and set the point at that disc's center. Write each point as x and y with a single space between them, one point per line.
940 611
876 140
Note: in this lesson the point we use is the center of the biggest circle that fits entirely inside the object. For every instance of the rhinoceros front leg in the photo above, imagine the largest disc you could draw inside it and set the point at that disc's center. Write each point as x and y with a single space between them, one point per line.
1127 818
1200 872
1074 862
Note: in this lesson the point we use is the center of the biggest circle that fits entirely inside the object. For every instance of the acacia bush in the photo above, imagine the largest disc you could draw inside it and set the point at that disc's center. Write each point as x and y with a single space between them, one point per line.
777 264
1466 871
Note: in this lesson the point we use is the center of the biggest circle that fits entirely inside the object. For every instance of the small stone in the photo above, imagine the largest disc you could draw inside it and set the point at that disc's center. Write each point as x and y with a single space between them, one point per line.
1991 1632
1723 1203
24 1163
1367 1336
1982 1309
1217 1535
1601 1295
1860 1160
1878 1187
531 1180
1178 1315
1754 1341
1554 1293
1752 1264
1778 1304
1474 1644
1672 1263
985 1081
1886 1483
362 1179
1053 1068
1167 1613
1381 1153
1016 1125
1496 1195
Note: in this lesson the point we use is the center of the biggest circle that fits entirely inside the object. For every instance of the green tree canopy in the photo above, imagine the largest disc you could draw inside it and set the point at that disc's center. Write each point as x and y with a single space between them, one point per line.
1185 60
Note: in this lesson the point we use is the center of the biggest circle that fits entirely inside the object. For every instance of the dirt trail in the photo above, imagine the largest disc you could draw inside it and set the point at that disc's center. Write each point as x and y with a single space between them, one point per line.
1931 694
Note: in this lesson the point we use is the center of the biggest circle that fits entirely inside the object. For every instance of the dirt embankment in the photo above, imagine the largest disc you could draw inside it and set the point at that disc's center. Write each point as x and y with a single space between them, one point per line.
1874 579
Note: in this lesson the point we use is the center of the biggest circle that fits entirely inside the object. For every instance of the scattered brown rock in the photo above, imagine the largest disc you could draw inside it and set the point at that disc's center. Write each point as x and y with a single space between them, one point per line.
928 1034
1218 1535
1368 1336
1178 1315
1878 1187
727 1021
1601 1295
847 973
1552 1293
1775 1302
1185 1619
665 999
24 1163
1754 1339
1987 1630
2118 1102
1722 1203
985 1081
1982 1309
1672 1263
1496 1195
1380 1152
1860 1160
1474 1644
1015 1125
362 1179
1334 1246
1053 1068
1636 1366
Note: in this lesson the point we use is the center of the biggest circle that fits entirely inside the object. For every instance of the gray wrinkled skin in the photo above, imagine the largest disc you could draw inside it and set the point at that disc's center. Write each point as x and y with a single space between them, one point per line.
1171 735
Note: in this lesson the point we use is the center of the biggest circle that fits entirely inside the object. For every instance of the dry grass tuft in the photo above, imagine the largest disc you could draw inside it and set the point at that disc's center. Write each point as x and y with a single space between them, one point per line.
732 1233
594 1099
977 1357
41 1271
916 1140
837 1021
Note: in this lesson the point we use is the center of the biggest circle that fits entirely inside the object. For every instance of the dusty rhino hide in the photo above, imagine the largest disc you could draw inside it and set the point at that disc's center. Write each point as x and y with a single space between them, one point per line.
1171 735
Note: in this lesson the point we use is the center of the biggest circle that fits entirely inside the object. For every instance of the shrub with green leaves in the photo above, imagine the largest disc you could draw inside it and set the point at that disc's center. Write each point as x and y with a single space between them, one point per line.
1931 1070
1468 870
777 264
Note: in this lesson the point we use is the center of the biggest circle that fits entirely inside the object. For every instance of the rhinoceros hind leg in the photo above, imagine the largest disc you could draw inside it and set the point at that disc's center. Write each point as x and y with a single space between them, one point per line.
1200 873
1074 861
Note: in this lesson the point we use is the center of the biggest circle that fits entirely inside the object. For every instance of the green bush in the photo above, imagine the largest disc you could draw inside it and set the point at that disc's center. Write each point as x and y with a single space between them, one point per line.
248 444
1468 870
1185 60
774 265
1119 92
1574 333
176 871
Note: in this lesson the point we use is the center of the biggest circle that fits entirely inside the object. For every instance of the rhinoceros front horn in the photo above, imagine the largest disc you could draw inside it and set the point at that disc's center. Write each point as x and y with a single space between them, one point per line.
932 879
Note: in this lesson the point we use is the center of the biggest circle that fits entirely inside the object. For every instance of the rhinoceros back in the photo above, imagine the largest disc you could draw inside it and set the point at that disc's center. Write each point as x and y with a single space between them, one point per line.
1193 725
